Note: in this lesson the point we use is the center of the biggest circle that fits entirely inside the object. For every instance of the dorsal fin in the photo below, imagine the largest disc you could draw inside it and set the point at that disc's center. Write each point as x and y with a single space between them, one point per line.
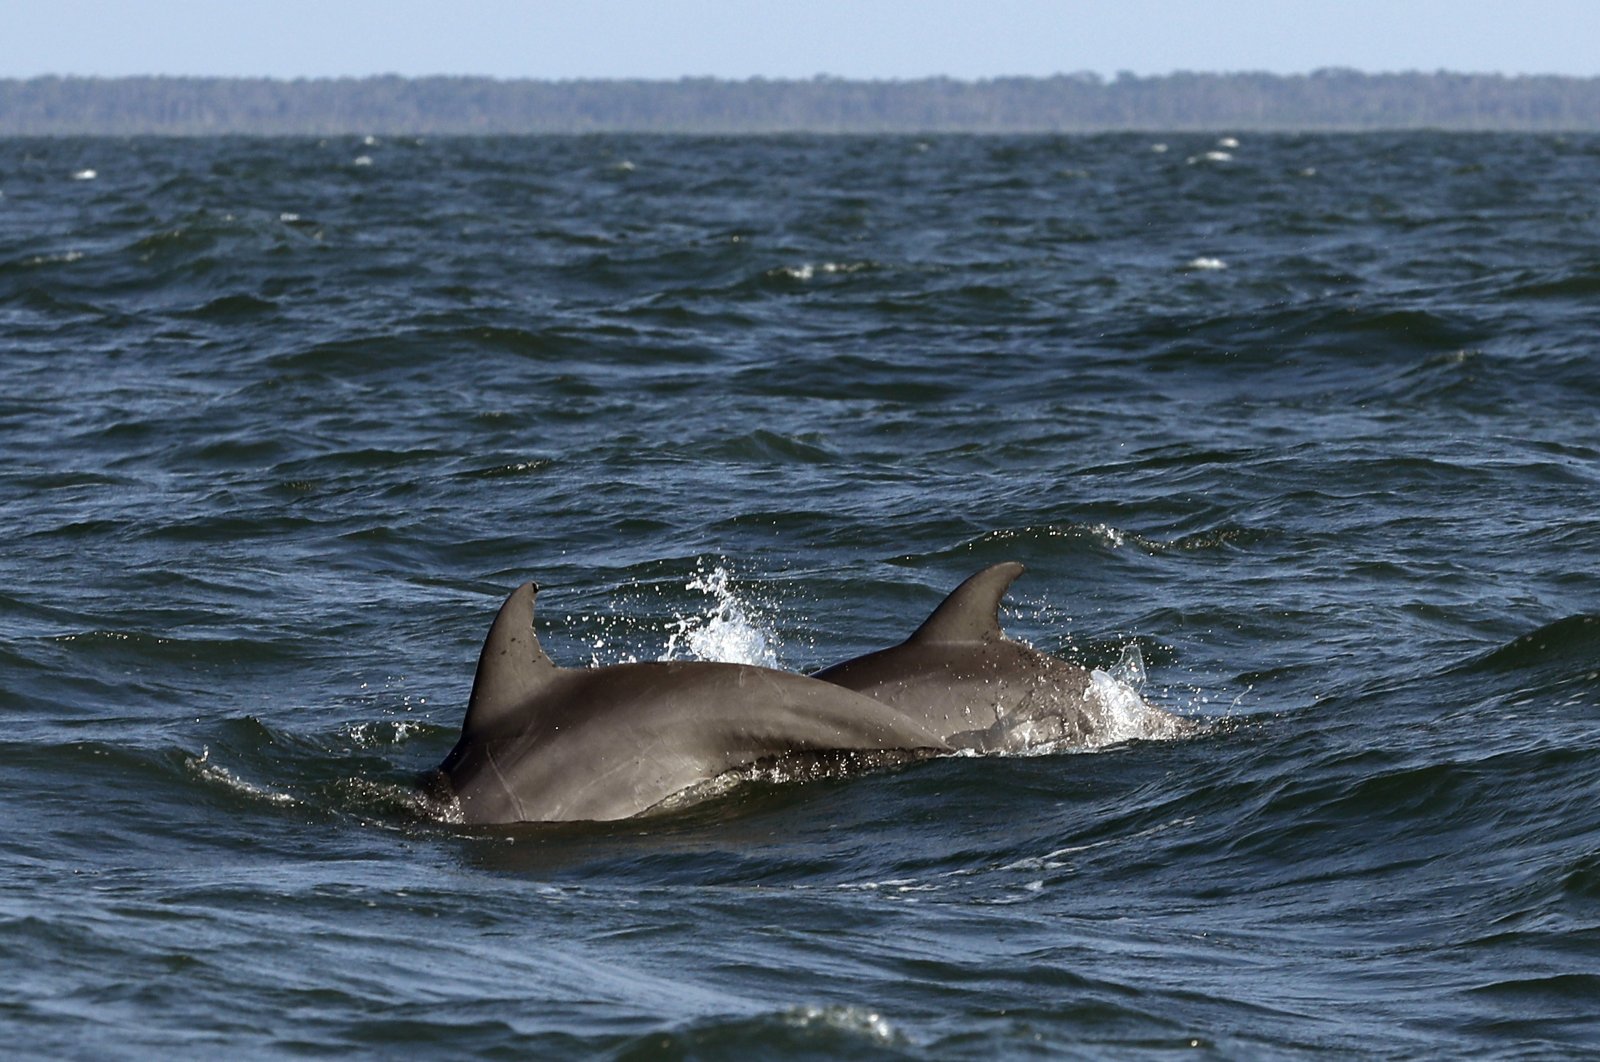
972 611
512 665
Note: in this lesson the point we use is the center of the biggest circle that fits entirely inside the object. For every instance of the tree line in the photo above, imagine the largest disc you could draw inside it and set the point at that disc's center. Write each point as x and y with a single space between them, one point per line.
1069 103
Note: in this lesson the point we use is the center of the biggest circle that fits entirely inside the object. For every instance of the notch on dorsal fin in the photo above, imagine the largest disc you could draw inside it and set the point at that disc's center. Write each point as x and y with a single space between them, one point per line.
972 611
512 665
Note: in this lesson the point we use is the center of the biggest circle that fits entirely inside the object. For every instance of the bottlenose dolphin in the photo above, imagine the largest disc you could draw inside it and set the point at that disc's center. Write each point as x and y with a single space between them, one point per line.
543 743
967 682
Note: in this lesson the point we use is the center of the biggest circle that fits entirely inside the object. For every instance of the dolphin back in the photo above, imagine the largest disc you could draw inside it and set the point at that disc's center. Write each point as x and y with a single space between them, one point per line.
963 678
542 743
612 742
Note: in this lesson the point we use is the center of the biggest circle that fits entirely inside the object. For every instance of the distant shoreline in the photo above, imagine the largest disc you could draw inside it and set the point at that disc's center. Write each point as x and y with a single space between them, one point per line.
1322 101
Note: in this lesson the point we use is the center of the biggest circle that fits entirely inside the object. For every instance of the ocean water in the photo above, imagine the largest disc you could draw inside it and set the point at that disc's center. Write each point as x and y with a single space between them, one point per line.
1310 422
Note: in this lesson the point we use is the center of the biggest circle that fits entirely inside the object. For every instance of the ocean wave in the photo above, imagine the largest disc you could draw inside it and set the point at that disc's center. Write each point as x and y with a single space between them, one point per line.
215 774
282 431
833 1031
1066 539
769 447
236 307
1560 645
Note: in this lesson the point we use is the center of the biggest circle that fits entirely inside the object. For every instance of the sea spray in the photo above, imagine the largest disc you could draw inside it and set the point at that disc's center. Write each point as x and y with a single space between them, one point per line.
726 633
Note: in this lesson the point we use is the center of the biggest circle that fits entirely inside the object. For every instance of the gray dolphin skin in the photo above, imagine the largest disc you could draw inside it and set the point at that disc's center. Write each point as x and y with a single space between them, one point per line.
543 743
974 687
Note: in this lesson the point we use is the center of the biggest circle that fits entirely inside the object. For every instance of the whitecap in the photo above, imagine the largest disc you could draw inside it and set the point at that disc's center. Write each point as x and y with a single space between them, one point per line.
55 259
867 1023
84 175
1204 262
807 271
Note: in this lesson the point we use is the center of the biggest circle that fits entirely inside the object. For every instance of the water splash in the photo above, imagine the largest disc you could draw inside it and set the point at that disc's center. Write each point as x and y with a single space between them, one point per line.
1125 714
727 633
1129 715
374 734
1129 668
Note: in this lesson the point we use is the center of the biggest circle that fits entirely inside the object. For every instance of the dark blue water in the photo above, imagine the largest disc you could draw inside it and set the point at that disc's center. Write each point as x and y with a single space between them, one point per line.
1312 421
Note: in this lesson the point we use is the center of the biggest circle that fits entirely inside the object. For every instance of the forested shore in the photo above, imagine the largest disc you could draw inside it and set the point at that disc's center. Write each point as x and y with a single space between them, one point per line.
1325 100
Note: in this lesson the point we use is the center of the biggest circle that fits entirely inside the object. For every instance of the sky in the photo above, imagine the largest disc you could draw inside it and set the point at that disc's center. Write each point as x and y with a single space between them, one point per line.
880 39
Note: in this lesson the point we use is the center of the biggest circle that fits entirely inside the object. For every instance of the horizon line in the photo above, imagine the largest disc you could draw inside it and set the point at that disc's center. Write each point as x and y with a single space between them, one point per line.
1079 75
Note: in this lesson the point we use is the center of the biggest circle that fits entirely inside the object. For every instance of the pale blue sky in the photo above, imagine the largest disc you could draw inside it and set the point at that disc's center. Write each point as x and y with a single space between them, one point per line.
790 38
